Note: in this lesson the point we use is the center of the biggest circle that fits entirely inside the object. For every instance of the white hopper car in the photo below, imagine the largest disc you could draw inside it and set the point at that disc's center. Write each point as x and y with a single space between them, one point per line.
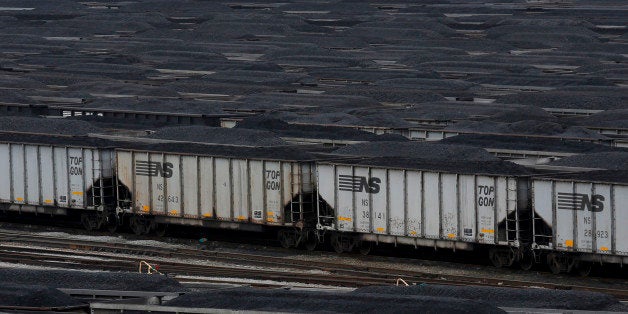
517 216
581 218
368 201
54 175
237 188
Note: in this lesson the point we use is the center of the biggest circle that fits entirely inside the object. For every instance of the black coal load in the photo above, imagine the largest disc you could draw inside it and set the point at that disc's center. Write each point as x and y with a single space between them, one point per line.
610 119
72 279
249 299
604 160
284 129
535 127
513 142
417 150
508 297
213 135
47 126
16 295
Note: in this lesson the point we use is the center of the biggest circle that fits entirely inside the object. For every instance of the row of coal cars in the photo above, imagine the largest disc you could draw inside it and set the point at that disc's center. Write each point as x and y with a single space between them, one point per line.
568 218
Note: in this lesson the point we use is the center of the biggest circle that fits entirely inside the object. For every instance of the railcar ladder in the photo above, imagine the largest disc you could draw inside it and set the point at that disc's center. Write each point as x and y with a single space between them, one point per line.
512 218
100 191
300 206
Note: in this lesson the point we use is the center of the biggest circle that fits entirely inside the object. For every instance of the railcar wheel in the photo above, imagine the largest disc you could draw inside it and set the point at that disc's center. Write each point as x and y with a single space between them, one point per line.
526 261
311 241
336 243
554 263
161 230
139 225
493 255
113 227
284 239
583 268
365 247
89 222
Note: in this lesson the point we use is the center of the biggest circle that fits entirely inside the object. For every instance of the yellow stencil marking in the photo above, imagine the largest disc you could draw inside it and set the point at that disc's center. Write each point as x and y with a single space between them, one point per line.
344 218
146 208
207 215
451 235
174 212
270 213
569 243
412 232
380 229
270 219
603 248
48 201
77 193
241 218
487 231
20 199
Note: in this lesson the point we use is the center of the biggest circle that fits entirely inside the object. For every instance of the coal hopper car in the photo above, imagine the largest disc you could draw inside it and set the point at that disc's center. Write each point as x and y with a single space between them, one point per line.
244 188
580 219
429 204
57 175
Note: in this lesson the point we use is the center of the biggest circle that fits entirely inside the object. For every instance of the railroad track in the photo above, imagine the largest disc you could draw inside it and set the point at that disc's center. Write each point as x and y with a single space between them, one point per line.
51 251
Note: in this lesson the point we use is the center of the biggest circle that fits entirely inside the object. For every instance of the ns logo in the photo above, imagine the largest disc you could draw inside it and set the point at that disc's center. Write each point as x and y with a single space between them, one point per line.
359 184
579 201
153 169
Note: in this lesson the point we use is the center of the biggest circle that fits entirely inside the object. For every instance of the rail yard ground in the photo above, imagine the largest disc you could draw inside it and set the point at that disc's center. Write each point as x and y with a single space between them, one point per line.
241 122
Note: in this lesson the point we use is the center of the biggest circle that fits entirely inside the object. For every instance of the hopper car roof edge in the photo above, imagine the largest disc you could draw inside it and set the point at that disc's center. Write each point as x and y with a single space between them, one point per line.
479 173
139 150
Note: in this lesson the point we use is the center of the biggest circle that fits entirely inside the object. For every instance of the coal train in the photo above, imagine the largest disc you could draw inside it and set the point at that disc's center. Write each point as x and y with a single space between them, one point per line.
567 219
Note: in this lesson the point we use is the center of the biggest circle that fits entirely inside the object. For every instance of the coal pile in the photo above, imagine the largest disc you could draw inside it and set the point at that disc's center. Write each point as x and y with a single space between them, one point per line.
47 126
284 129
490 66
605 160
15 295
249 299
531 127
218 136
509 297
89 280
526 143
417 150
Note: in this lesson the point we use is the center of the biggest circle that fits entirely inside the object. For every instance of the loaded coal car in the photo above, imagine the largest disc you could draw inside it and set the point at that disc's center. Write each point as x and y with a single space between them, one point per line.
580 218
459 205
57 175
219 186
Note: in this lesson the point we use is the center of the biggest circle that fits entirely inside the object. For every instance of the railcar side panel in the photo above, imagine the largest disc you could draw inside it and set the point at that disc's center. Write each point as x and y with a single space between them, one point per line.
583 217
423 204
207 187
204 187
467 200
5 173
379 209
432 195
397 202
17 173
362 201
224 189
414 202
44 175
190 206
450 209
258 192
47 179
619 203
